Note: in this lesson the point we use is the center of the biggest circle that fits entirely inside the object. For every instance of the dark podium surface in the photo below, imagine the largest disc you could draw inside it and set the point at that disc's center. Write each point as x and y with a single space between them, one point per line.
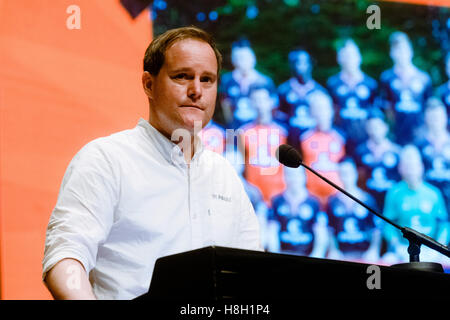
218 274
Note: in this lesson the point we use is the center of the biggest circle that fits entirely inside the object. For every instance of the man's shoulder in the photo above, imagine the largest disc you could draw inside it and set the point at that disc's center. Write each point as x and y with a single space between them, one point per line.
398 190
387 75
430 191
107 146
334 81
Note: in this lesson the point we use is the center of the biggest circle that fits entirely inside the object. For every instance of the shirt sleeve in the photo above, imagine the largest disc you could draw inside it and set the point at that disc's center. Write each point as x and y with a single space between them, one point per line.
83 214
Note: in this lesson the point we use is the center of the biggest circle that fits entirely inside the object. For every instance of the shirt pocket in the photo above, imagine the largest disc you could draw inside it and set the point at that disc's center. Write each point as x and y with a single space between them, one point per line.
223 220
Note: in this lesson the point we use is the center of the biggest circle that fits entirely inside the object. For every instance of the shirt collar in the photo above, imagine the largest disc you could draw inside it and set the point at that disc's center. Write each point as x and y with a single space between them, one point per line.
169 150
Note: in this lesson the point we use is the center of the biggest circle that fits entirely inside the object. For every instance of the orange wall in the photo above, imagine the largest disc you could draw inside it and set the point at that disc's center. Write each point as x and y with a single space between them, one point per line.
59 89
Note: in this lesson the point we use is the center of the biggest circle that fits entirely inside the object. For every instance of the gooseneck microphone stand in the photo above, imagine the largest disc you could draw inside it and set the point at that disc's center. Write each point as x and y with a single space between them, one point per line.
288 156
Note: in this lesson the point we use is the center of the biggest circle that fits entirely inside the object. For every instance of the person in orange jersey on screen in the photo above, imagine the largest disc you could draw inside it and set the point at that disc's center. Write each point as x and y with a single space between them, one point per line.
322 147
150 191
259 140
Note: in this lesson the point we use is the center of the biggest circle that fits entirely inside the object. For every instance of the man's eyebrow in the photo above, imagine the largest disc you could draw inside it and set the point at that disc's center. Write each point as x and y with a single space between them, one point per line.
210 74
179 70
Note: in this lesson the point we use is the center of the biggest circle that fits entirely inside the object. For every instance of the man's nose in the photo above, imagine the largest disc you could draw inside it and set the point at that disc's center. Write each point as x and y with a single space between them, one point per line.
195 89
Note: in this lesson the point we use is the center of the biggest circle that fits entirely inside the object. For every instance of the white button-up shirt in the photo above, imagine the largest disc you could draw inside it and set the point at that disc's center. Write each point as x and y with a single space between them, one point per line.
130 198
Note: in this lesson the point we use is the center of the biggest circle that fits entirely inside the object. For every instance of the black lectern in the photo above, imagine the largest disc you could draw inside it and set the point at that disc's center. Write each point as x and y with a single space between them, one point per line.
219 274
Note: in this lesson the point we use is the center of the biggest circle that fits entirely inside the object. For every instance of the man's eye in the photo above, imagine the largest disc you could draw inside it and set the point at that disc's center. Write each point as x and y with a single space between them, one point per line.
206 79
180 76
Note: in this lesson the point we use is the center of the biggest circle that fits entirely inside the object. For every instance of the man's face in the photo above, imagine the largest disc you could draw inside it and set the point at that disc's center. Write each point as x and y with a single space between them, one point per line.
436 118
302 65
349 58
243 59
322 111
185 89
348 175
376 129
262 102
411 170
401 53
295 178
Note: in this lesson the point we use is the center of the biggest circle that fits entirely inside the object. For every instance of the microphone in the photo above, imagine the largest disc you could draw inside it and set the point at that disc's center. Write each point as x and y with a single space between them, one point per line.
289 156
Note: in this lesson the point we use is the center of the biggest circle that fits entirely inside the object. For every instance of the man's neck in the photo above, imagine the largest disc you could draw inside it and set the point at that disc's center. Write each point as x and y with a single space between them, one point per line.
188 146
414 185
295 196
302 78
352 77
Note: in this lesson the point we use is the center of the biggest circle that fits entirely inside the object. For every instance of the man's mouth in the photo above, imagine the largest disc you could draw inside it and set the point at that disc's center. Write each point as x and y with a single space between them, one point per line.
192 106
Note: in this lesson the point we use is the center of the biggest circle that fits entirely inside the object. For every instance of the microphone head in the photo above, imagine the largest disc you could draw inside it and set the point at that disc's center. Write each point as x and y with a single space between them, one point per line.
288 156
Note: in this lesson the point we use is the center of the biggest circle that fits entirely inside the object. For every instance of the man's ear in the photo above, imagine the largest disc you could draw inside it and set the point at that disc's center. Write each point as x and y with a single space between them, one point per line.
147 83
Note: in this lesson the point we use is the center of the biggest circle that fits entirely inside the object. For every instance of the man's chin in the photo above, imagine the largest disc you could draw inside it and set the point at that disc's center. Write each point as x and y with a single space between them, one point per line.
195 125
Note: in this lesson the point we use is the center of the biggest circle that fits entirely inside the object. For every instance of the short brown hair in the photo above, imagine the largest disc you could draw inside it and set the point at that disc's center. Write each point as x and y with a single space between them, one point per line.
155 53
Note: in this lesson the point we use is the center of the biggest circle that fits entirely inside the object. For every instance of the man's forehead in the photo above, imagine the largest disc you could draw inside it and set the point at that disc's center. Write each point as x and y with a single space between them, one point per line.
191 52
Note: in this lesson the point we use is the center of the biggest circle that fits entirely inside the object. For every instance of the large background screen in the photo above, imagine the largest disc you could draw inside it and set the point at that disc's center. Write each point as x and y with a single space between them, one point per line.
360 89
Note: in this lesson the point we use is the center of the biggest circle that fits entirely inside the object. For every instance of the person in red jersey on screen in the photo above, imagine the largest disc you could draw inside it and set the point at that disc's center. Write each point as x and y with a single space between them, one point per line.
151 191
259 140
322 147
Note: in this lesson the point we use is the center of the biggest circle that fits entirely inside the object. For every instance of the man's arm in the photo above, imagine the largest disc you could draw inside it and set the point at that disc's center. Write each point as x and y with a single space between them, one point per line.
68 280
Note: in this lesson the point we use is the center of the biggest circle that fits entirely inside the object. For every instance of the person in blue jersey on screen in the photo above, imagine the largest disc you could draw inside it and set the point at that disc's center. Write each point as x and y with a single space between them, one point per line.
353 94
300 224
377 159
354 232
417 204
434 146
235 85
404 90
293 109
443 91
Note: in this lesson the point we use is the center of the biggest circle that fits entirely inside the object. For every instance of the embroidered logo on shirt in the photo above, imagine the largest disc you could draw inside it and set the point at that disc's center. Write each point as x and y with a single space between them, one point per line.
221 197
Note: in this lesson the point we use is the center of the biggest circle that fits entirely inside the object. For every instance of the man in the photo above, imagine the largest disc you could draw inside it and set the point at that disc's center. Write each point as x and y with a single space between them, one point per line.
300 226
434 147
135 196
354 233
293 93
443 91
322 147
377 159
259 140
353 94
235 157
404 89
416 204
235 85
